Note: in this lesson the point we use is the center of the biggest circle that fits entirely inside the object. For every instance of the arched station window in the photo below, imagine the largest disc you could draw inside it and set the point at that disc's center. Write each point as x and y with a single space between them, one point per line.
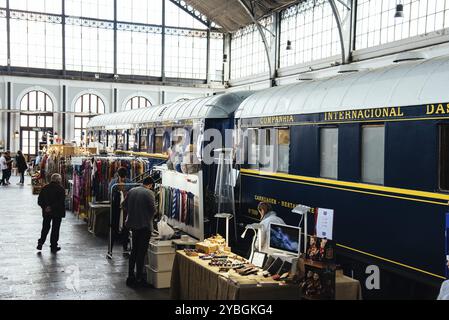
137 102
36 121
86 107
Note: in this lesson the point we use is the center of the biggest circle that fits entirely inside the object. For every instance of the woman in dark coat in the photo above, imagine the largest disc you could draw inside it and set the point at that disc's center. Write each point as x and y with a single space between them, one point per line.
21 166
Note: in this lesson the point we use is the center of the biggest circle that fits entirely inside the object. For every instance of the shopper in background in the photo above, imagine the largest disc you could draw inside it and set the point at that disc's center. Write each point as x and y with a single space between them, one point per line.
267 216
120 179
176 153
22 166
52 201
38 159
4 168
9 167
117 196
140 205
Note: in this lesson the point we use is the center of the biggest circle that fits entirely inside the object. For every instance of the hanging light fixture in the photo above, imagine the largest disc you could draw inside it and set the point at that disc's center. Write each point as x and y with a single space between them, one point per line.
289 45
399 11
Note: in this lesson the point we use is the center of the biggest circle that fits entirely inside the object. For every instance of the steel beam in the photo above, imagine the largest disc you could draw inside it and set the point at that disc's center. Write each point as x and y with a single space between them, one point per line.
115 37
163 43
8 116
208 57
8 36
191 12
63 37
64 110
272 71
344 41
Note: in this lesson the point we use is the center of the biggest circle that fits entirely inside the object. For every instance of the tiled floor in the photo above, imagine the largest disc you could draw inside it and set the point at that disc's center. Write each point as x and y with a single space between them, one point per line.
79 271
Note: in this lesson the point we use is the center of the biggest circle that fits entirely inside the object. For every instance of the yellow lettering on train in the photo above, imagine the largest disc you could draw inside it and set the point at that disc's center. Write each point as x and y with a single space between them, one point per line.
440 109
392 113
366 114
348 115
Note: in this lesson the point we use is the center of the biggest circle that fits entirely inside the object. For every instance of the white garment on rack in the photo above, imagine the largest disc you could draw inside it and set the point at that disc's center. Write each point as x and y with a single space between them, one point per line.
94 171
122 218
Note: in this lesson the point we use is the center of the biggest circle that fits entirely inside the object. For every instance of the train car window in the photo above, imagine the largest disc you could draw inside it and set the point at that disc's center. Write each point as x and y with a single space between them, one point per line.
120 140
373 154
329 152
283 154
131 140
265 149
444 157
159 140
111 139
143 140
253 142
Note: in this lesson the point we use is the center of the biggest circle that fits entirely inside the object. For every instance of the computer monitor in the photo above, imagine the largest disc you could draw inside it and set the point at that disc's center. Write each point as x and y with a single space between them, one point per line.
285 238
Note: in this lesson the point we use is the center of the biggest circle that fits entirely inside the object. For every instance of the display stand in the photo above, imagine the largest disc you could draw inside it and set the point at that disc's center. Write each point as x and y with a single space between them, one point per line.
190 183
224 190
303 211
227 217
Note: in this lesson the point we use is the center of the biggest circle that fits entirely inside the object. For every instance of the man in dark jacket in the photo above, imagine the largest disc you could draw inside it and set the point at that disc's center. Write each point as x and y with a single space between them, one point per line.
52 201
141 209
21 166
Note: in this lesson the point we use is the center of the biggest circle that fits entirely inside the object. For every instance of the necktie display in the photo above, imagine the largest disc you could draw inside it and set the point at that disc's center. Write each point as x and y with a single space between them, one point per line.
179 205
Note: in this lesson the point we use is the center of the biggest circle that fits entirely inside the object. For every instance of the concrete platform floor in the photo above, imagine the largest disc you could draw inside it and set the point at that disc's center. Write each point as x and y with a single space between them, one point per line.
79 271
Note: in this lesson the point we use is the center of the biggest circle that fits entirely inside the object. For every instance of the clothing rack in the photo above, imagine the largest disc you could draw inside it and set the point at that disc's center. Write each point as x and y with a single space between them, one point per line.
92 176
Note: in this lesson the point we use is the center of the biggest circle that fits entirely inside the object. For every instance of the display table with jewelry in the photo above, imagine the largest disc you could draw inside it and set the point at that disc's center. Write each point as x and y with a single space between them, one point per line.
212 272
223 276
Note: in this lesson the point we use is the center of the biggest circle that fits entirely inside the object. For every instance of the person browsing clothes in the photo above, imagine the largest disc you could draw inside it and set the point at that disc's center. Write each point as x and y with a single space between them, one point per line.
140 205
117 193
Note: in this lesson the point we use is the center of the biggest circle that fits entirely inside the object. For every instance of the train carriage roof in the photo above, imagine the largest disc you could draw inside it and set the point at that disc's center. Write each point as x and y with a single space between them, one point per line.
213 107
403 84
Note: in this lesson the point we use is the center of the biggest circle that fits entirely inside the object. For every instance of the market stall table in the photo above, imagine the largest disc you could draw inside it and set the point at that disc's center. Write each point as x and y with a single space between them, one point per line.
347 288
193 279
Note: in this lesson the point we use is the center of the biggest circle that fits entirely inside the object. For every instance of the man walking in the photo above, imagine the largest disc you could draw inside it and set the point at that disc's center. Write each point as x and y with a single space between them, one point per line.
22 166
4 168
141 209
9 166
52 201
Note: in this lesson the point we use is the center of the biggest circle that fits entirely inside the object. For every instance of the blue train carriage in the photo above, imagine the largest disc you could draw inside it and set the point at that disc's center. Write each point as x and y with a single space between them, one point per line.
149 131
374 146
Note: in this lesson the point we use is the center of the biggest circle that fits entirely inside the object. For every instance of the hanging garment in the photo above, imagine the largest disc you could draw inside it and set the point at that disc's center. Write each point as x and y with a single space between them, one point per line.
190 209
168 202
122 216
184 207
196 211
175 204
